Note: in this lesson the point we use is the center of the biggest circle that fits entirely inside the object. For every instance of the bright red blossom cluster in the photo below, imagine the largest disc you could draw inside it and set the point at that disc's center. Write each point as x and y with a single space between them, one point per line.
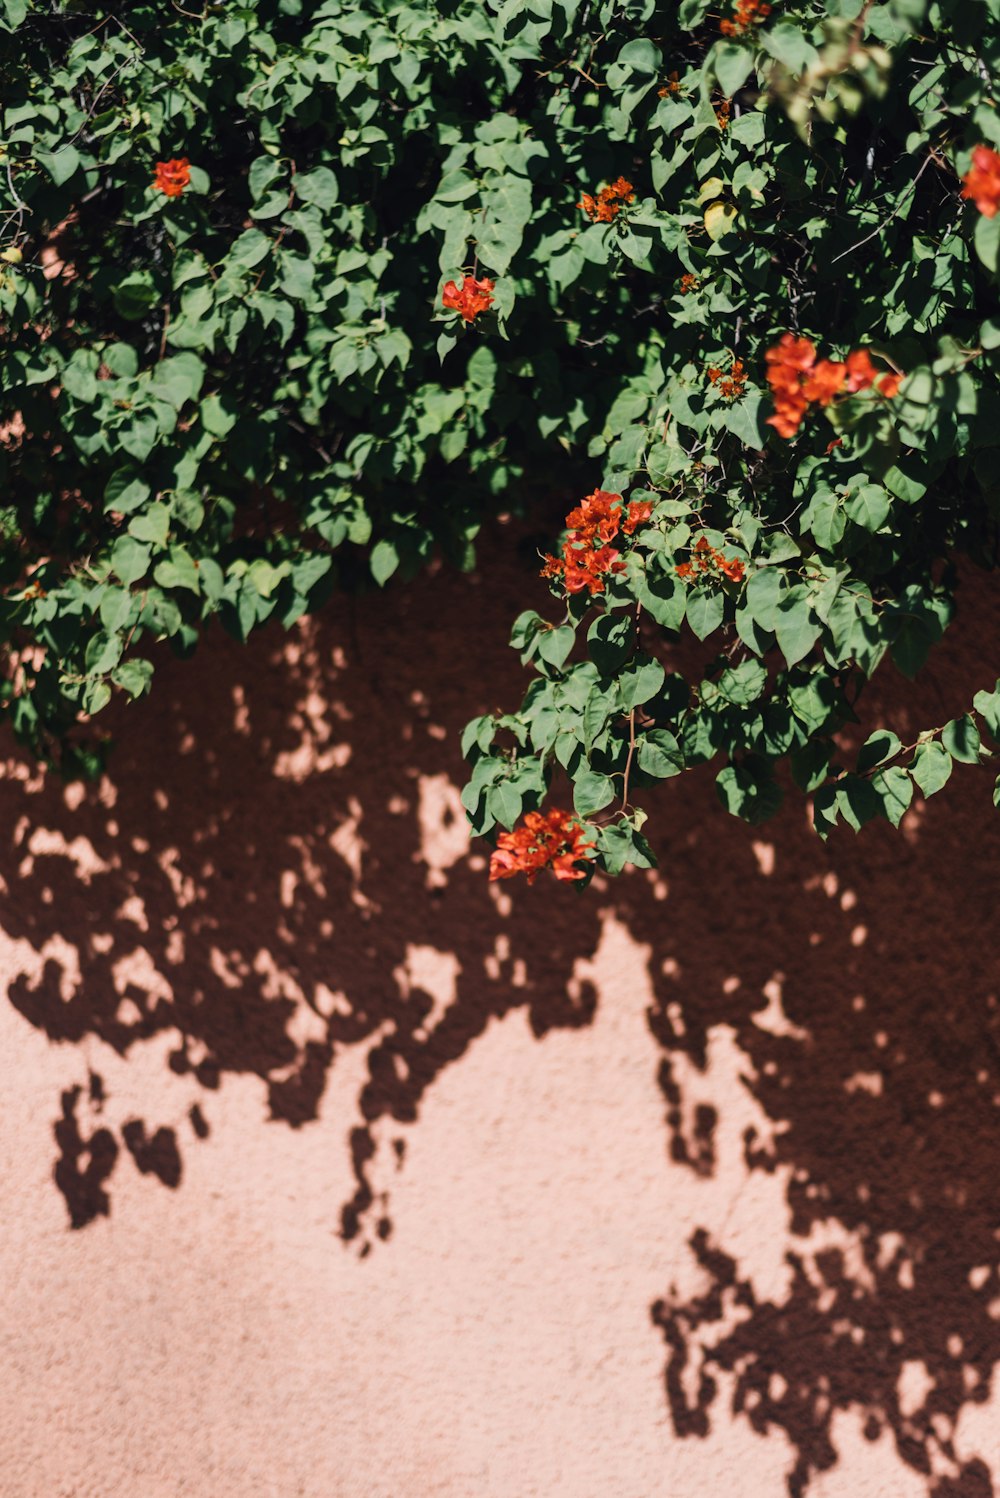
588 558
707 563
748 14
544 841
798 380
609 201
732 385
981 182
171 177
471 298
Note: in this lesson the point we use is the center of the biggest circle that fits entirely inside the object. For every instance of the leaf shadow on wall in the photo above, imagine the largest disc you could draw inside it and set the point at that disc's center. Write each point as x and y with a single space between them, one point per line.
277 870
860 982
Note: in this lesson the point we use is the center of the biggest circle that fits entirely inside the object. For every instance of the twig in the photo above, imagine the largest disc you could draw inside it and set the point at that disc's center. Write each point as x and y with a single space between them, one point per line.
888 220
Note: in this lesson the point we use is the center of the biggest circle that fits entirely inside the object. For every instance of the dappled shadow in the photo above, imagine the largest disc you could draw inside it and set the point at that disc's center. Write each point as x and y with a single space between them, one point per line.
276 874
277 870
858 983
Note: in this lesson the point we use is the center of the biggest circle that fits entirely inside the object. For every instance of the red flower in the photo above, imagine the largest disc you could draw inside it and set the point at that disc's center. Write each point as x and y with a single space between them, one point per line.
732 385
708 563
748 13
552 841
471 298
787 362
889 383
609 201
824 381
171 177
861 371
637 514
688 283
981 182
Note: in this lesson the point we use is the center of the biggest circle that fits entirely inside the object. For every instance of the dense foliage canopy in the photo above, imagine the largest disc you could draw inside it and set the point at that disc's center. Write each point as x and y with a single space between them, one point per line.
294 290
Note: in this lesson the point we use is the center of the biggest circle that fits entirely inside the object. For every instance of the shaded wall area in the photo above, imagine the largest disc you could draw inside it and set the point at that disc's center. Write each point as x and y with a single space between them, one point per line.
274 882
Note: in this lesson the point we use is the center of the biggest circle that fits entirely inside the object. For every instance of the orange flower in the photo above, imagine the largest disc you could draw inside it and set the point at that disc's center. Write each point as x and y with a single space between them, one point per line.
748 14
824 381
710 564
588 559
889 383
609 201
861 371
554 840
722 115
471 298
171 177
688 283
981 182
672 86
637 514
787 362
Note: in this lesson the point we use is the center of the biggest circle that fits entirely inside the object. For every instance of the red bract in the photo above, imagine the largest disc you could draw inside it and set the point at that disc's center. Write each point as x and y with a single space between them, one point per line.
732 385
637 514
790 358
981 182
171 177
553 840
707 564
824 381
609 201
797 381
748 14
471 298
588 559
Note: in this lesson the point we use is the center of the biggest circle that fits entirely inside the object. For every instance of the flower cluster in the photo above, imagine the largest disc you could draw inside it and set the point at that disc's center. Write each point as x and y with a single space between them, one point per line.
689 283
672 86
553 840
798 380
609 201
707 565
981 182
748 14
731 385
722 112
471 298
588 558
171 177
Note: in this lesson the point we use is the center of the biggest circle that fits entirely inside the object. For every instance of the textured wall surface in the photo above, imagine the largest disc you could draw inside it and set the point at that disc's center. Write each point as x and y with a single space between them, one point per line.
329 1170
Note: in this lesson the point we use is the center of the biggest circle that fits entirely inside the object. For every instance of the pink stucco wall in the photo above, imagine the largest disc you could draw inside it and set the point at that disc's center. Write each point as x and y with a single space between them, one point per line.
329 1171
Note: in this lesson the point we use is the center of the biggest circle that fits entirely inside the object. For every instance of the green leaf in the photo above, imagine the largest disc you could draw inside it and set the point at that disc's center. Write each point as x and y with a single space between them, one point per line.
318 186
125 491
504 801
796 628
554 645
745 420
961 739
61 163
931 767
659 754
868 506
705 610
609 641
987 240
384 561
987 705
895 791
152 525
732 63
592 792
130 559
752 796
